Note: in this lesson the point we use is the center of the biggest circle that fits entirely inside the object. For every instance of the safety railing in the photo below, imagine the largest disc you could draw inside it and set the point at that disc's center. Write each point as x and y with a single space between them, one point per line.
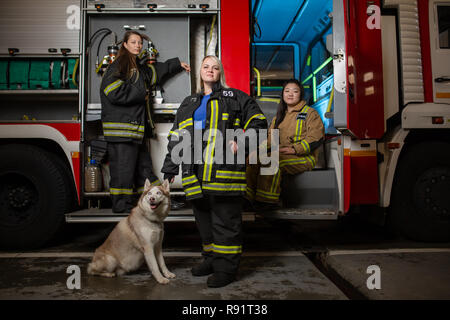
314 78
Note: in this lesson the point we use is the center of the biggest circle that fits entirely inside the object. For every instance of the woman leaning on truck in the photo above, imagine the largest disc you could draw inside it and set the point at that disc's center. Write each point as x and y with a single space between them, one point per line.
126 118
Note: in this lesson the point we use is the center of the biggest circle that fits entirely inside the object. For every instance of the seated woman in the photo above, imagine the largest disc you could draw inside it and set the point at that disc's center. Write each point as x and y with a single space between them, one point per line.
301 132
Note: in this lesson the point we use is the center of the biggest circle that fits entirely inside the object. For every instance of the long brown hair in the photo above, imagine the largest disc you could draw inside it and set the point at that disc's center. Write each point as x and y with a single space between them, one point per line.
282 107
127 60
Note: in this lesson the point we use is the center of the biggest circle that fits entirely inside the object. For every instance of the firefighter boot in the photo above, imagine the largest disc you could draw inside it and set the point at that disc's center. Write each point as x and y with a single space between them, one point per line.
203 269
220 279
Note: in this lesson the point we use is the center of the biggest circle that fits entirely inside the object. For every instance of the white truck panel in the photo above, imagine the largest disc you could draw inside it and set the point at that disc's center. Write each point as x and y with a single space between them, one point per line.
34 26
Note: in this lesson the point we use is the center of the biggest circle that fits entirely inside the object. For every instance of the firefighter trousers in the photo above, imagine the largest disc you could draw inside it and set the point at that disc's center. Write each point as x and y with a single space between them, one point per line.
130 164
219 221
267 188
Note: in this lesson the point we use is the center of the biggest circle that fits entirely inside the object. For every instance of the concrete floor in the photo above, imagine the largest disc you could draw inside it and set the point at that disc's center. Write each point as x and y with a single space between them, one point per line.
290 277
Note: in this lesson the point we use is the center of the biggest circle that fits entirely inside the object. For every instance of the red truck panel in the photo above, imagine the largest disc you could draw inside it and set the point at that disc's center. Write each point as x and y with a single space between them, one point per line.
365 72
235 43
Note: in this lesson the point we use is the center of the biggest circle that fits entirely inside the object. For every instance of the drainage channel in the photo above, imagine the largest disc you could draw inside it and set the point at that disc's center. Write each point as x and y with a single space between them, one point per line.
317 253
319 261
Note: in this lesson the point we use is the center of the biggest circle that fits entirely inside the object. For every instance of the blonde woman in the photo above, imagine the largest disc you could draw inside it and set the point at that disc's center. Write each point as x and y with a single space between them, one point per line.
215 190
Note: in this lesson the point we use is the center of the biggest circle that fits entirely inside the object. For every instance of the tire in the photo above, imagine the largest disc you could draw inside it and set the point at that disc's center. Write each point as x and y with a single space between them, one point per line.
420 203
32 196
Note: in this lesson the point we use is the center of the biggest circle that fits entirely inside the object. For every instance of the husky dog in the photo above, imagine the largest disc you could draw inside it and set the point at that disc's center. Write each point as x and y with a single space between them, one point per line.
136 238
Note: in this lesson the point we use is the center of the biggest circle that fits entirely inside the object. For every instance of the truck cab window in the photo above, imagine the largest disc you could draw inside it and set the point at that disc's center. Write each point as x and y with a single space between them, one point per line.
444 26
276 64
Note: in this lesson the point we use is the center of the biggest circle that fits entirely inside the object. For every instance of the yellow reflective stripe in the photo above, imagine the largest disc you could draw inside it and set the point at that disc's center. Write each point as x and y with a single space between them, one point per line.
192 191
192 188
174 133
219 176
207 171
237 122
224 186
186 123
305 145
123 133
208 247
239 175
153 82
225 116
226 249
292 162
265 196
113 86
298 132
189 178
117 191
275 180
121 125
311 160
256 116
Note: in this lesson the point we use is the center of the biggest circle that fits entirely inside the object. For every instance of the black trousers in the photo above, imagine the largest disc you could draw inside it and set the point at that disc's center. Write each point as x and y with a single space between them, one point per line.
130 164
219 221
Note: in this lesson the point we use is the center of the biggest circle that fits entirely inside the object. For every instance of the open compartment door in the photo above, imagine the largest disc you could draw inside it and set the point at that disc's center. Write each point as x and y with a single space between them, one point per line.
359 97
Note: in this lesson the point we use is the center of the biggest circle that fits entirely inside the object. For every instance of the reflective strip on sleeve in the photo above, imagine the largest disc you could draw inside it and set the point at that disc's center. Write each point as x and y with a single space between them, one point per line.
225 116
122 125
113 86
237 122
185 124
189 180
123 134
306 146
174 133
208 247
193 191
256 116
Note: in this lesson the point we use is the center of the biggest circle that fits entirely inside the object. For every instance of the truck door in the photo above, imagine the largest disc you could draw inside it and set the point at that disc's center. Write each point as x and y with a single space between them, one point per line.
359 97
440 49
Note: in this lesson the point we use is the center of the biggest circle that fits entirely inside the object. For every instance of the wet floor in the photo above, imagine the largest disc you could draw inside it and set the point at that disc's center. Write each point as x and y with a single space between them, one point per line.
290 277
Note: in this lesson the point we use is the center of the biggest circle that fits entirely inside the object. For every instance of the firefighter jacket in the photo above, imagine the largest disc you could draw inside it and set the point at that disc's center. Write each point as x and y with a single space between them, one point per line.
302 129
227 109
126 111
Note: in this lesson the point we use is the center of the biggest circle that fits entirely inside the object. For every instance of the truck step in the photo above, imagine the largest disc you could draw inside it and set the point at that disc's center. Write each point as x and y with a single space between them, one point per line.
107 216
186 215
301 214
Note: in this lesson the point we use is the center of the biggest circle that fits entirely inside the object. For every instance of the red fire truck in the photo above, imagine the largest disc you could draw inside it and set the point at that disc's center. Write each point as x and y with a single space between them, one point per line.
378 73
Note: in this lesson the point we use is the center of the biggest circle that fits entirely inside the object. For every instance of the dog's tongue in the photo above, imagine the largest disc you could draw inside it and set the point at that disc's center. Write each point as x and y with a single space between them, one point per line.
153 206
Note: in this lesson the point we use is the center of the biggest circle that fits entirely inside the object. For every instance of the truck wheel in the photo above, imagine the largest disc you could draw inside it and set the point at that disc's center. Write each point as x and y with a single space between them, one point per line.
32 197
420 206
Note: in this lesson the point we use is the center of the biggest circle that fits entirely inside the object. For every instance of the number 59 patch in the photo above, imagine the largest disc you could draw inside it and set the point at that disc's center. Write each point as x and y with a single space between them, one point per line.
227 93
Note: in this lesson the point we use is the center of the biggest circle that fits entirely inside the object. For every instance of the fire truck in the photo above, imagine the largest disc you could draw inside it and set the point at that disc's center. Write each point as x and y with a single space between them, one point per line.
377 72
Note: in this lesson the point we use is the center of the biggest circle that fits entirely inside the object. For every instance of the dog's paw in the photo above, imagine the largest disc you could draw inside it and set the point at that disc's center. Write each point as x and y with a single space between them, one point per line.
163 281
169 275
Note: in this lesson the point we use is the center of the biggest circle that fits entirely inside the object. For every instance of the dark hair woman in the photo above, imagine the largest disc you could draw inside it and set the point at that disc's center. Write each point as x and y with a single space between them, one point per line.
301 132
126 118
